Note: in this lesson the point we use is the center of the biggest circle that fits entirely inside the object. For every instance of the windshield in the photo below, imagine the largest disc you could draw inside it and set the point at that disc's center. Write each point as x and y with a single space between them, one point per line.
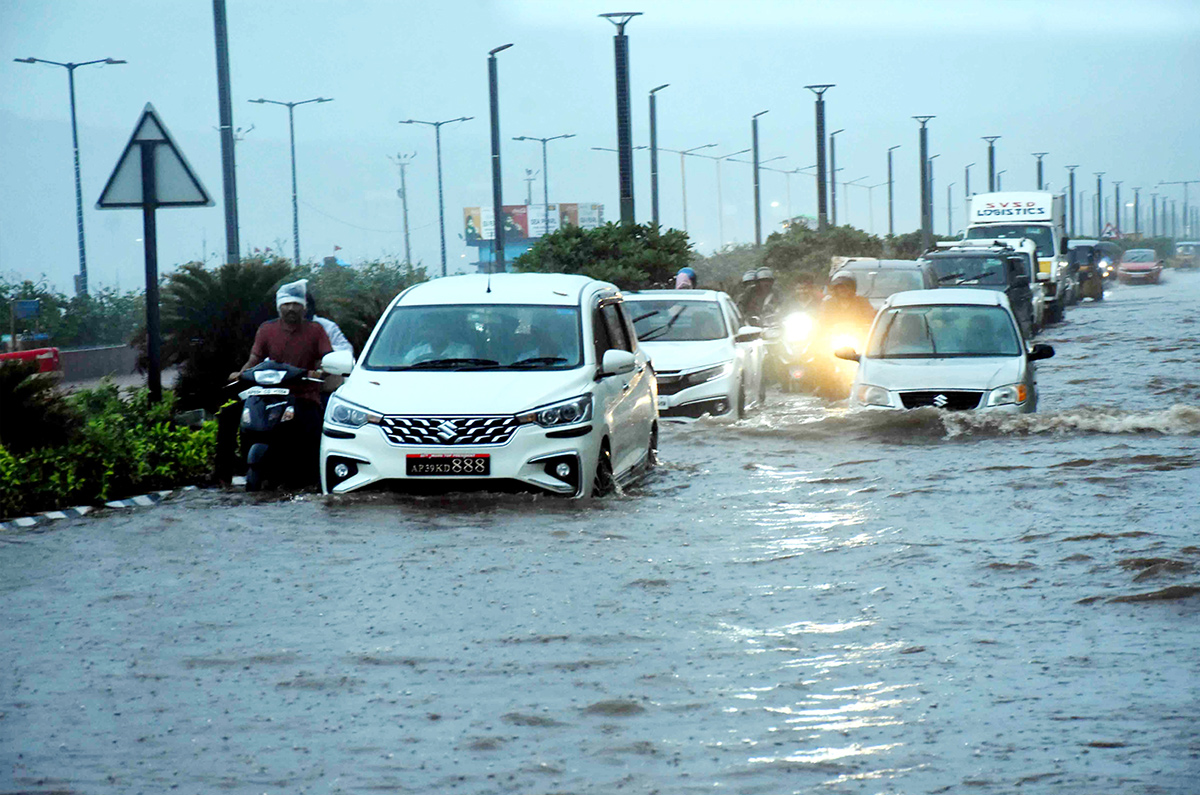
881 284
1138 255
477 337
923 332
973 270
677 321
1040 235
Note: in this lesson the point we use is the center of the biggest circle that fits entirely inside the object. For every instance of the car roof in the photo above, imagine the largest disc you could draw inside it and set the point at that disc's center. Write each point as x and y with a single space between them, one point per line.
948 296
870 263
549 289
675 295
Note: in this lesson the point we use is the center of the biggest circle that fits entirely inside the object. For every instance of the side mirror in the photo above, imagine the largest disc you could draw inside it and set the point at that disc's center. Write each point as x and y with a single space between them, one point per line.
338 363
1040 351
748 334
616 362
849 354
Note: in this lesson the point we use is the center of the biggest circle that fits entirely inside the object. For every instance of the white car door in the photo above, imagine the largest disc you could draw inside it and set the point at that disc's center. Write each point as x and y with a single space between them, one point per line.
749 354
619 391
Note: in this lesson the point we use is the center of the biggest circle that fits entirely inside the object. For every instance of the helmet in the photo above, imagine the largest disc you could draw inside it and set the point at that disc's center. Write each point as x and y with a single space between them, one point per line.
749 276
688 272
765 273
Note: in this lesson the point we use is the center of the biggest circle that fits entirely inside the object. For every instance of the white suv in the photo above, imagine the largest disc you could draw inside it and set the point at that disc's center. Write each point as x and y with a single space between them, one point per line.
532 378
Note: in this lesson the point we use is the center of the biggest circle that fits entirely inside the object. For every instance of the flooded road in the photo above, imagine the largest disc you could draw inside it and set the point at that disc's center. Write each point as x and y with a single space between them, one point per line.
804 601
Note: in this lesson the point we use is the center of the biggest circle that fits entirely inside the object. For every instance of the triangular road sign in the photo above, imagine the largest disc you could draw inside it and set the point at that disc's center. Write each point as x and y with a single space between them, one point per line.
175 183
1109 231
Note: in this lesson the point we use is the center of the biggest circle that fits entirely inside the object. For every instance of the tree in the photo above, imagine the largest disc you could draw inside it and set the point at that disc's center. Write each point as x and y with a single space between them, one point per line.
633 257
802 249
723 269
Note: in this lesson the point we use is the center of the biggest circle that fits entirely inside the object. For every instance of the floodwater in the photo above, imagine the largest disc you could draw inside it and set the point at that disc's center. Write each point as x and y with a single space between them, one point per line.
804 601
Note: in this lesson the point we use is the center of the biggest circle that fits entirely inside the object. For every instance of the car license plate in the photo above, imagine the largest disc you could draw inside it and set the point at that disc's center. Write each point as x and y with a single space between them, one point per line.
447 465
264 390
663 403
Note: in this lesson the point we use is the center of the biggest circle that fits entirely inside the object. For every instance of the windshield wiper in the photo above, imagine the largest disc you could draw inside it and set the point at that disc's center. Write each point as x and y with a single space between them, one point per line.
451 364
648 314
535 360
977 277
664 328
948 277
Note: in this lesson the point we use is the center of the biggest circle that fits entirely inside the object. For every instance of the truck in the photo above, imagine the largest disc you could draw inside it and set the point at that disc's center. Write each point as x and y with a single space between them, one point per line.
1038 216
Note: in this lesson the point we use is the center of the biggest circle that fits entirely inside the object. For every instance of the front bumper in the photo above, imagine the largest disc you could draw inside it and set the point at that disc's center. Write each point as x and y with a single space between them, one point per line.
717 397
529 458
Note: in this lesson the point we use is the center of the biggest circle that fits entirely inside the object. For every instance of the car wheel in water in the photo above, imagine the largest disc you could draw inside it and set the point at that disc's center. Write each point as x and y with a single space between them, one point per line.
602 482
652 452
741 402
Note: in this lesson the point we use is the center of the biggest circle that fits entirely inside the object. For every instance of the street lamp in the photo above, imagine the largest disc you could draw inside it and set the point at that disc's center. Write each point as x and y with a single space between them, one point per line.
720 202
833 169
683 153
402 161
931 159
1000 179
1100 203
848 184
624 121
291 106
81 282
545 172
871 208
1117 204
991 141
654 153
497 188
1137 211
923 160
1071 189
1039 156
822 210
757 204
437 137
891 218
949 211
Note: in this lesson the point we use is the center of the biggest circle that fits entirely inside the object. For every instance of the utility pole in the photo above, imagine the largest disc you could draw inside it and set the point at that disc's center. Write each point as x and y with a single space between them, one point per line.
1100 203
833 169
624 121
1071 197
654 154
1137 211
949 215
437 137
923 155
1117 204
1188 224
1154 215
891 197
402 161
757 200
991 142
822 209
931 193
1039 156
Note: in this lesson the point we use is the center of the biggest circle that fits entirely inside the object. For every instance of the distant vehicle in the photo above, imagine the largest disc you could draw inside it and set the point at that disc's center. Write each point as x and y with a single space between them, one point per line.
876 279
951 349
1105 253
483 381
1187 254
1139 266
706 358
999 265
1092 262
1040 217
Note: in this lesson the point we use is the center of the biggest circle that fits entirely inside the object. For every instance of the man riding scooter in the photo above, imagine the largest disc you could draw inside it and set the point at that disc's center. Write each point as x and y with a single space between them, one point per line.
842 321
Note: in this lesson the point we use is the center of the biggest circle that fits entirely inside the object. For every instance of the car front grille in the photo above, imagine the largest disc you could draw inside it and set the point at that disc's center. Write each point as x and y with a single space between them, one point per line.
449 430
951 400
669 383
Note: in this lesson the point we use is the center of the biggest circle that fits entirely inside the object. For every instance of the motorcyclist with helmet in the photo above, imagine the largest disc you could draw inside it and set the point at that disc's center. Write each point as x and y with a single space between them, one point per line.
844 305
686 279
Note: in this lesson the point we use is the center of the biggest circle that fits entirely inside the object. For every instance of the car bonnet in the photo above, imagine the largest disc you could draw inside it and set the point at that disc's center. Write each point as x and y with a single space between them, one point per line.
953 373
687 354
471 392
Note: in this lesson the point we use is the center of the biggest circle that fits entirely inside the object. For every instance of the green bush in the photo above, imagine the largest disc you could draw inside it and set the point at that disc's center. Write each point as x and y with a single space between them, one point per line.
33 412
103 317
633 257
122 447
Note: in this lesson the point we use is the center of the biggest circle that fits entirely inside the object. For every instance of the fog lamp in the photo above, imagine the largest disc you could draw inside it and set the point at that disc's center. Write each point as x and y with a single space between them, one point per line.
562 470
341 470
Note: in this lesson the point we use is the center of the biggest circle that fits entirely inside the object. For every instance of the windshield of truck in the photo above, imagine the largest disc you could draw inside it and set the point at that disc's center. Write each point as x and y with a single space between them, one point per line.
477 337
971 270
928 332
1040 235
677 321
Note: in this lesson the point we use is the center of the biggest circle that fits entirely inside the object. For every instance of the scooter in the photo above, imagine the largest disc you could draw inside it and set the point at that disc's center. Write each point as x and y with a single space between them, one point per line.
786 340
821 372
1091 280
270 435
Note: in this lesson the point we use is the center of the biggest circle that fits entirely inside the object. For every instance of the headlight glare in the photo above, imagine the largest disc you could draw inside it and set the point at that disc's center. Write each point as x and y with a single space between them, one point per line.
797 327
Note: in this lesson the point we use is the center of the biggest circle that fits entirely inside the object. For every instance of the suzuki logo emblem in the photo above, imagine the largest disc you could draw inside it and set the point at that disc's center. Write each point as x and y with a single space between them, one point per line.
447 430
940 401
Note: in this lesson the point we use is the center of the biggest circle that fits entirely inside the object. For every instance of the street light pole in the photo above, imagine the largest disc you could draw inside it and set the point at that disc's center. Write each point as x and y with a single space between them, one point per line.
923 154
847 185
931 194
720 201
822 209
1099 203
402 161
1188 224
1117 204
654 154
757 201
81 285
891 218
437 137
291 106
1137 211
1000 179
949 214
833 169
683 153
545 173
497 188
991 142
624 121
1039 156
1071 196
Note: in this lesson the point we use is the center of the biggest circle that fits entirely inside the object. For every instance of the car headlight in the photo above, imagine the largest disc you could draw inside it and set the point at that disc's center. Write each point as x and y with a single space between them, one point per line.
868 395
347 414
1008 395
707 374
565 412
797 327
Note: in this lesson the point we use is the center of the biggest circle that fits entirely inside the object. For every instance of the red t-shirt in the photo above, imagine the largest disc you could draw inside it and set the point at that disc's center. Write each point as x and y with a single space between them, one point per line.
303 347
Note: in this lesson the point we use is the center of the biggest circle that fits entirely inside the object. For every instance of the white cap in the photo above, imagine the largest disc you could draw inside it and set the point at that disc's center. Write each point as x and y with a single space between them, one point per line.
292 293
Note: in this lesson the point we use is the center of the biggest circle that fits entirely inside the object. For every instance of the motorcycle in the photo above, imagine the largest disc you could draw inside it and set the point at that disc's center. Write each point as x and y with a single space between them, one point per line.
1091 280
805 360
786 340
271 436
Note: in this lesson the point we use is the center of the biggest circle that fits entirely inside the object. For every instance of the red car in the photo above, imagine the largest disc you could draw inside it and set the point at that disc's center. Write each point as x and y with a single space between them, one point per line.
1139 266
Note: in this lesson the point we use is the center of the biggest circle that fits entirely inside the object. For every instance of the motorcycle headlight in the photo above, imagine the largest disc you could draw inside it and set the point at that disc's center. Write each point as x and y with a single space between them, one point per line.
707 374
1008 395
797 327
566 412
349 415
268 377
868 395
839 341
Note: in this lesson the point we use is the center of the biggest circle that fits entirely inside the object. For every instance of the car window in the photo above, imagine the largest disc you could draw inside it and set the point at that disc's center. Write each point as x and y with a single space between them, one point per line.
616 329
885 283
676 321
916 332
970 270
1138 255
627 324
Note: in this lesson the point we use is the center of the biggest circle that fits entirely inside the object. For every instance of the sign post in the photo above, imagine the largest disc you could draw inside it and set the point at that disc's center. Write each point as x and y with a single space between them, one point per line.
152 173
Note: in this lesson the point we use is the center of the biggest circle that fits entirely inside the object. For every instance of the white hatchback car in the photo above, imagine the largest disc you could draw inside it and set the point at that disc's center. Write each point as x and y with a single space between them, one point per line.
536 379
707 361
954 349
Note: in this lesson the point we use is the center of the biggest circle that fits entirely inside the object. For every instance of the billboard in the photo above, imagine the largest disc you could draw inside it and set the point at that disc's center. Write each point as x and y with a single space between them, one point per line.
528 221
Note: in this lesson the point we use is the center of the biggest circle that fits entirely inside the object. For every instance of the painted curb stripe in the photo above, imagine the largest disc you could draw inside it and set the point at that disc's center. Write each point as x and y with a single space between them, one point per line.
142 500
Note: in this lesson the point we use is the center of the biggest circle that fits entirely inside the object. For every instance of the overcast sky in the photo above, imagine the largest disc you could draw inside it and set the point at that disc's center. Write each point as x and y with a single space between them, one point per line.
1113 86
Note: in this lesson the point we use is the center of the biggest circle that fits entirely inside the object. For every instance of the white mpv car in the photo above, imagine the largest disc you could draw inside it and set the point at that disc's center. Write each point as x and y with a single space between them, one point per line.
536 379
706 360
954 349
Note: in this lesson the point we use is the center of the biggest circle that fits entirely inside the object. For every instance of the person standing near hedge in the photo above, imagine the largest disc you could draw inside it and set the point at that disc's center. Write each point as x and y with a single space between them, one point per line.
293 340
